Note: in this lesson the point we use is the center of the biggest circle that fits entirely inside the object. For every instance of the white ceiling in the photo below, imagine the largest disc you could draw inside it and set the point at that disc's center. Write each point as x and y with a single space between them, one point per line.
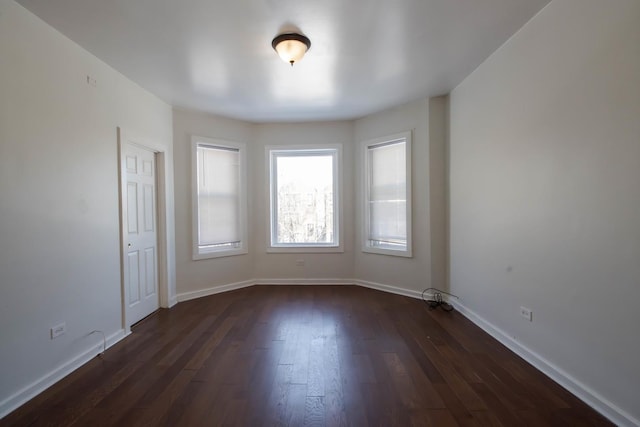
216 55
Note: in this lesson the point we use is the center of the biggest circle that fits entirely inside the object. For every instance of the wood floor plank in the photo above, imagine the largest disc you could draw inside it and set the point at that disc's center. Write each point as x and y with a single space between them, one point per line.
351 379
175 352
153 414
458 410
315 368
314 412
416 392
198 360
453 378
296 402
262 381
183 403
306 355
276 412
495 404
195 404
220 363
335 413
301 359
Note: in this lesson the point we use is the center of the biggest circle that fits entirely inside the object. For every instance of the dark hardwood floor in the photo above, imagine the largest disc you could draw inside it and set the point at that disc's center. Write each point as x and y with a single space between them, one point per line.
306 355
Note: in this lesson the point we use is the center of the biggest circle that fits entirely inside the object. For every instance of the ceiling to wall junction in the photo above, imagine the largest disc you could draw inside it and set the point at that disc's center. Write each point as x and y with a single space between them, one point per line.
215 56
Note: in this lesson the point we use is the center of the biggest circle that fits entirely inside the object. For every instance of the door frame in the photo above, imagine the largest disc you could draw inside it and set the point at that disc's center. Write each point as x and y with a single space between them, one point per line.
127 137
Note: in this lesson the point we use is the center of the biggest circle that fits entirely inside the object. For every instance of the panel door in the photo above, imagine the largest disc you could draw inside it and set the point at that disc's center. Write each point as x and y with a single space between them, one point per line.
141 247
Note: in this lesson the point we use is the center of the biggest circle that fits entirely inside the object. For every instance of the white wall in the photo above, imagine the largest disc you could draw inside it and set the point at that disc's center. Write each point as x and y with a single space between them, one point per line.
316 265
545 199
438 190
412 274
59 219
196 276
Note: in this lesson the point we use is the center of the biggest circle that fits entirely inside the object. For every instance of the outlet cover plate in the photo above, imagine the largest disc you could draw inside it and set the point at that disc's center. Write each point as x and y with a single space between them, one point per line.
526 313
58 330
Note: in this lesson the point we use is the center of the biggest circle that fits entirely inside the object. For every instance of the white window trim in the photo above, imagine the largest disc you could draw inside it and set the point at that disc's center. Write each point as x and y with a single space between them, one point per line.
197 252
366 247
338 246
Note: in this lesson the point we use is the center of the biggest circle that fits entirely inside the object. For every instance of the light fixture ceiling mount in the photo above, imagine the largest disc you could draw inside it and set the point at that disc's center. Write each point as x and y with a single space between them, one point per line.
291 47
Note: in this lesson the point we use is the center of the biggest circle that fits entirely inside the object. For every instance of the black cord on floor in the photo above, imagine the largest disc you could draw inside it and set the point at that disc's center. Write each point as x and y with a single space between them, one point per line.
437 300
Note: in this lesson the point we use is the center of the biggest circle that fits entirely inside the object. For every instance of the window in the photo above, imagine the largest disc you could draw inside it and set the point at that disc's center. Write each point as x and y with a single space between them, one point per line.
387 192
304 199
219 198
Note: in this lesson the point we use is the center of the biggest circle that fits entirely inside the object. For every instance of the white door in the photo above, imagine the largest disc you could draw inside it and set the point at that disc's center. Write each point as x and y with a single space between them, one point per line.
140 238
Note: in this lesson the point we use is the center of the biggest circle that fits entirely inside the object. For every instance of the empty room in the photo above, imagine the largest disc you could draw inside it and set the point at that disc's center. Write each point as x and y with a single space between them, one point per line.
278 212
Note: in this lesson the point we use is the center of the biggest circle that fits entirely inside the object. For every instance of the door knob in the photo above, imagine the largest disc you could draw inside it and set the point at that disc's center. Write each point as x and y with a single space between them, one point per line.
129 245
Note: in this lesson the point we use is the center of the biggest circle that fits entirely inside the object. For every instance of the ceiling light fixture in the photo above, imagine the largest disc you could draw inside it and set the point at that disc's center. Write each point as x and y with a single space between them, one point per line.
291 46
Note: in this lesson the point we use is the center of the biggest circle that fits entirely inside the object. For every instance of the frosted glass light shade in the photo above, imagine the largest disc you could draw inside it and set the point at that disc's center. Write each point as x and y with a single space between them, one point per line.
291 47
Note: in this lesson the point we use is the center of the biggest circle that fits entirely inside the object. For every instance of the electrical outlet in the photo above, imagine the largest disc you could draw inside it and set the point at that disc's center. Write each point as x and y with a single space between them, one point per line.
526 313
58 330
300 262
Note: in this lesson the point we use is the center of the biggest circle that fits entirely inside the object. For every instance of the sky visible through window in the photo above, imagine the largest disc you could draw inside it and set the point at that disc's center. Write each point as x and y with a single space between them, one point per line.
306 173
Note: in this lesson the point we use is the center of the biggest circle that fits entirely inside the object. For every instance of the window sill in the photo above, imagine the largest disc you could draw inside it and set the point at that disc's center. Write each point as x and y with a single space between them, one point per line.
388 252
218 254
305 249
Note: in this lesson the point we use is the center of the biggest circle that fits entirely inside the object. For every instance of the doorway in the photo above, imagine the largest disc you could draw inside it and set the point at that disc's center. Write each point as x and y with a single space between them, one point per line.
142 242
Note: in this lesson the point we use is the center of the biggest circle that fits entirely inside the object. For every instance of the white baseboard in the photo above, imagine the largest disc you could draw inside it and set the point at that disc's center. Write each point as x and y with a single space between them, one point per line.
389 288
581 391
186 296
229 287
304 282
21 397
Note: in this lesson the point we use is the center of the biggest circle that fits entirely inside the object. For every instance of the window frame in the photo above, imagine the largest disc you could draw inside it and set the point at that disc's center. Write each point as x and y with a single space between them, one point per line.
366 211
198 252
271 154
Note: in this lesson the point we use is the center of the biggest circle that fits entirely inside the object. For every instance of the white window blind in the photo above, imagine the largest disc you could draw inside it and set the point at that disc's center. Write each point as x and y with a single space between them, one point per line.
219 191
388 196
218 196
